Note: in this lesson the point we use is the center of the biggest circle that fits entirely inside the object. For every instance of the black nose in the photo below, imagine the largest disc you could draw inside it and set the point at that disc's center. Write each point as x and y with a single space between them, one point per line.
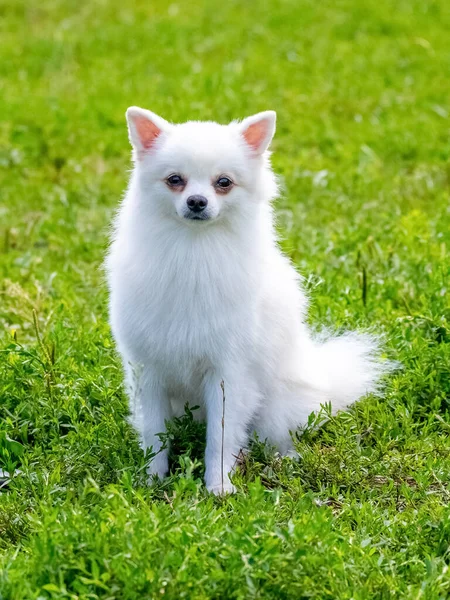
197 203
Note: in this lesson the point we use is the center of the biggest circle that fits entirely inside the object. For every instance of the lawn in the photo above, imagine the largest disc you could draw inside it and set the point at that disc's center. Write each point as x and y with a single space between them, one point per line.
362 150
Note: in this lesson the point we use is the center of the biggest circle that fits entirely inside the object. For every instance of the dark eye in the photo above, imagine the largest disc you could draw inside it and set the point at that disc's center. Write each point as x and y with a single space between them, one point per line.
175 180
224 183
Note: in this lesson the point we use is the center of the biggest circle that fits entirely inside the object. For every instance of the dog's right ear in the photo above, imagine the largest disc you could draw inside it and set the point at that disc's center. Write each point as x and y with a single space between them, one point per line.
144 127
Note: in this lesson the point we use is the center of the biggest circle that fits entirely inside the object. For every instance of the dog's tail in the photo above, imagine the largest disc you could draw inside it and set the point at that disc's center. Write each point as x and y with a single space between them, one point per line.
350 367
336 370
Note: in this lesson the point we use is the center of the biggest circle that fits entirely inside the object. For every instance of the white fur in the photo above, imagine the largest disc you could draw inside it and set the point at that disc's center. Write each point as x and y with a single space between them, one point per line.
195 303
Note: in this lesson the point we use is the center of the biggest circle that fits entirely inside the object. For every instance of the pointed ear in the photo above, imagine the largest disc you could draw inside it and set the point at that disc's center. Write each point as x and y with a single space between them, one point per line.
144 127
258 130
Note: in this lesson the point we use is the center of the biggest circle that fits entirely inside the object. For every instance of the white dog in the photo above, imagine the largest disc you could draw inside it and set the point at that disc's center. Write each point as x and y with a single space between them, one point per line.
203 299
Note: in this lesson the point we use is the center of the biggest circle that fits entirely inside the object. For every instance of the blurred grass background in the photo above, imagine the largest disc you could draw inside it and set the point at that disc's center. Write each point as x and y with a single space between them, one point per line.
362 149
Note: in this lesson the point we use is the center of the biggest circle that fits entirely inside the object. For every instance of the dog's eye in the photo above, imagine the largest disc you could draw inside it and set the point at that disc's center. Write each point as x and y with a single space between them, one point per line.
224 183
175 181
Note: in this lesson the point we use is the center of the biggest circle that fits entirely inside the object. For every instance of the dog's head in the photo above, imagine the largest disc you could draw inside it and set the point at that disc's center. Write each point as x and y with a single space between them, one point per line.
198 172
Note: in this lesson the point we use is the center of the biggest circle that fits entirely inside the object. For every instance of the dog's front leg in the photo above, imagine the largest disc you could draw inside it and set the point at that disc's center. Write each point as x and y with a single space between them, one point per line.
150 409
227 417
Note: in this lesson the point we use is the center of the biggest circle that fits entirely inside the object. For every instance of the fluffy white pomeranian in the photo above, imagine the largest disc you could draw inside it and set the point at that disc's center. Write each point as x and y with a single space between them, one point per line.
204 304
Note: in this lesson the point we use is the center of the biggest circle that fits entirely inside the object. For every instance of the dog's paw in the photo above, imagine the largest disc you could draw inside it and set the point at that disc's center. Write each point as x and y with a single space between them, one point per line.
158 468
221 490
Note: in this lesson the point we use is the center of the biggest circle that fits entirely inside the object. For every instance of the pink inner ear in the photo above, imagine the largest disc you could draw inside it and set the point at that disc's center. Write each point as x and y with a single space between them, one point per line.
256 134
147 131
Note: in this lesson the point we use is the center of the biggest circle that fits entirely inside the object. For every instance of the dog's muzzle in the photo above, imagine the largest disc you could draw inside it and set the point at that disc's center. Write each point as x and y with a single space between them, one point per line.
196 208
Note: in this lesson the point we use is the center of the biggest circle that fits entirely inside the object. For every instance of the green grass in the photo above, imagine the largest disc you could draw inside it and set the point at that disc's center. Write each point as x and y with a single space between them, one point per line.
362 148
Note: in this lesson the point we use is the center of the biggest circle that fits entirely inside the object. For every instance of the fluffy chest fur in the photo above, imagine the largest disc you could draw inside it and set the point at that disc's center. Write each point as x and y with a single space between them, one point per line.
183 298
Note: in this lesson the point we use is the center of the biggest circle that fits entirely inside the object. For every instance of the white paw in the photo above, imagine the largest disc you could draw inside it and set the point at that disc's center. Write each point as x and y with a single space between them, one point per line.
159 466
221 490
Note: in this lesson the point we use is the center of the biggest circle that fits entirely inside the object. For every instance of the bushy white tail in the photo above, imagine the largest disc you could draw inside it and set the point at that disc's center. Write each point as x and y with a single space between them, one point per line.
337 370
351 367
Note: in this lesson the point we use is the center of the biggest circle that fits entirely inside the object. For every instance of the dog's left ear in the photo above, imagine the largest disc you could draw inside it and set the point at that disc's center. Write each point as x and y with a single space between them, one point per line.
258 130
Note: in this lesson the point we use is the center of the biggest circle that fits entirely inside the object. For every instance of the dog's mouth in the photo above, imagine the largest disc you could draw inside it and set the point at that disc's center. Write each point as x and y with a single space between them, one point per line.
191 216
